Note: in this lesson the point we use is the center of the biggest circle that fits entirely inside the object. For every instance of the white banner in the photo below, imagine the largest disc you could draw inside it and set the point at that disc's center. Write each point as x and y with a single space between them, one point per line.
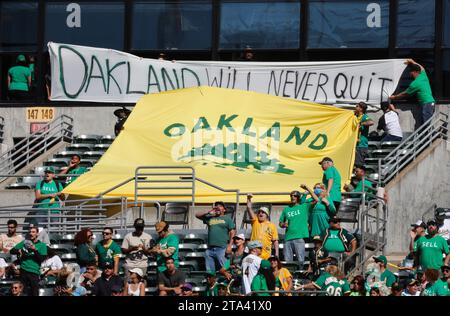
81 73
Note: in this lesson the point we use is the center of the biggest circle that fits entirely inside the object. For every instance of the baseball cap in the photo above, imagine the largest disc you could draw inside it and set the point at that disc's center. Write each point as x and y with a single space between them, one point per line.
139 222
137 271
264 209
326 159
265 264
116 288
254 244
432 223
160 226
317 238
240 236
49 169
380 259
334 219
108 265
411 282
419 223
20 58
186 286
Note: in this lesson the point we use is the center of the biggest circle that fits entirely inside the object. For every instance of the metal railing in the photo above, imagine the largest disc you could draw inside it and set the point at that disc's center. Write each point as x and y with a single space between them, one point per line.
408 150
31 147
2 126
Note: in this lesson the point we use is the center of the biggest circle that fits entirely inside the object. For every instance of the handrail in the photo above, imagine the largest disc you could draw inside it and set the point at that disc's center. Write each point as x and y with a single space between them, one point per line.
30 147
2 125
407 150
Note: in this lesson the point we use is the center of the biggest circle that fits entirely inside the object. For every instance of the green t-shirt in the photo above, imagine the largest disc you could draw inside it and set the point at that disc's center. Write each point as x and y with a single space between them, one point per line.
333 173
431 250
168 242
218 230
79 170
85 254
27 262
107 253
421 88
214 291
364 133
332 285
297 217
389 277
259 284
367 186
438 288
333 242
49 188
19 78
31 67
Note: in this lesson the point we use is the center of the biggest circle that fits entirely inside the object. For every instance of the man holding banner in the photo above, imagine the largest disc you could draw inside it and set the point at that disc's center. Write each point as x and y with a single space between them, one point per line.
362 147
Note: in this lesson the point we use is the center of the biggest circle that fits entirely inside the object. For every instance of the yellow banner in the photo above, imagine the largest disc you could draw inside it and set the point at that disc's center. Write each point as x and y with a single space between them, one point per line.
234 139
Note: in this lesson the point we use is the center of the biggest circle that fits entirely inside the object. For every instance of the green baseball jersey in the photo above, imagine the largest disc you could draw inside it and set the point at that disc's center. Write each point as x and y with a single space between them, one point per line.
438 288
218 230
212 291
297 217
364 133
19 78
431 250
107 253
389 277
332 285
333 173
168 242
79 170
333 242
28 262
421 88
49 188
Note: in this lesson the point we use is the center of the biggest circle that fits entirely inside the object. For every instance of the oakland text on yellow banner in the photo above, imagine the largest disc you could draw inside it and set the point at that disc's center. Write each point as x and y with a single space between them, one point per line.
234 139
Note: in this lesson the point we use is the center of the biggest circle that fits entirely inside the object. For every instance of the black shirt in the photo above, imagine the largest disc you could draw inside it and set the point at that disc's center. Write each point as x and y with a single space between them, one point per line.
173 280
102 286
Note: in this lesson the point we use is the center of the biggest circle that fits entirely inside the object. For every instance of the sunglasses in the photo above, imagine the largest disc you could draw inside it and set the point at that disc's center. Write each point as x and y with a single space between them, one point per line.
11 227
106 233
16 287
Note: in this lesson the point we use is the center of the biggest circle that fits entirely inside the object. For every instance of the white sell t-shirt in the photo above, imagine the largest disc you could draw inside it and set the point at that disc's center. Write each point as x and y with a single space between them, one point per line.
250 267
393 124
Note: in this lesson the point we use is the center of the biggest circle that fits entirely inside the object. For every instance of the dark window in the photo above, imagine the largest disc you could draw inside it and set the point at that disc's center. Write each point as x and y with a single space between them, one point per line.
415 23
260 25
174 25
18 25
98 24
446 70
447 23
348 24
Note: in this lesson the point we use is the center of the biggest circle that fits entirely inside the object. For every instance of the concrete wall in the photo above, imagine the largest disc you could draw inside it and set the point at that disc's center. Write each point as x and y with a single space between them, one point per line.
427 183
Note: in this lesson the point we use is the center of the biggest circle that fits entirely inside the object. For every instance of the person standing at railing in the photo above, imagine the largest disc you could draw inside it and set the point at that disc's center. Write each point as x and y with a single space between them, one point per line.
263 229
74 168
420 87
48 193
19 80
332 181
364 121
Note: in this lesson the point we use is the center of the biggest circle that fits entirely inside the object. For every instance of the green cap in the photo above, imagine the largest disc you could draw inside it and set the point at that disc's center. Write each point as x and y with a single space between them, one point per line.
381 259
265 264
49 169
20 58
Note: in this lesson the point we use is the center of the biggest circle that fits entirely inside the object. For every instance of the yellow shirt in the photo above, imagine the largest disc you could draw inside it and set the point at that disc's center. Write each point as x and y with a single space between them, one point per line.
266 232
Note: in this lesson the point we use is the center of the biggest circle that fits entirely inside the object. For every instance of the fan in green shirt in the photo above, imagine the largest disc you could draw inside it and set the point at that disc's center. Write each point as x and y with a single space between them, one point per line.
48 193
435 286
330 282
74 168
264 280
331 180
386 275
19 76
108 250
360 175
431 248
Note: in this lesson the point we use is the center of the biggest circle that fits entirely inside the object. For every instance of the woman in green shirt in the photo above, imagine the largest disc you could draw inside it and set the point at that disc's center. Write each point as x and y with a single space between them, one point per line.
321 209
357 286
19 80
85 251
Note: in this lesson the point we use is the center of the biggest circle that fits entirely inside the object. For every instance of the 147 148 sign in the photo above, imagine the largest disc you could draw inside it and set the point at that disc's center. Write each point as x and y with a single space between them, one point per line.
40 114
